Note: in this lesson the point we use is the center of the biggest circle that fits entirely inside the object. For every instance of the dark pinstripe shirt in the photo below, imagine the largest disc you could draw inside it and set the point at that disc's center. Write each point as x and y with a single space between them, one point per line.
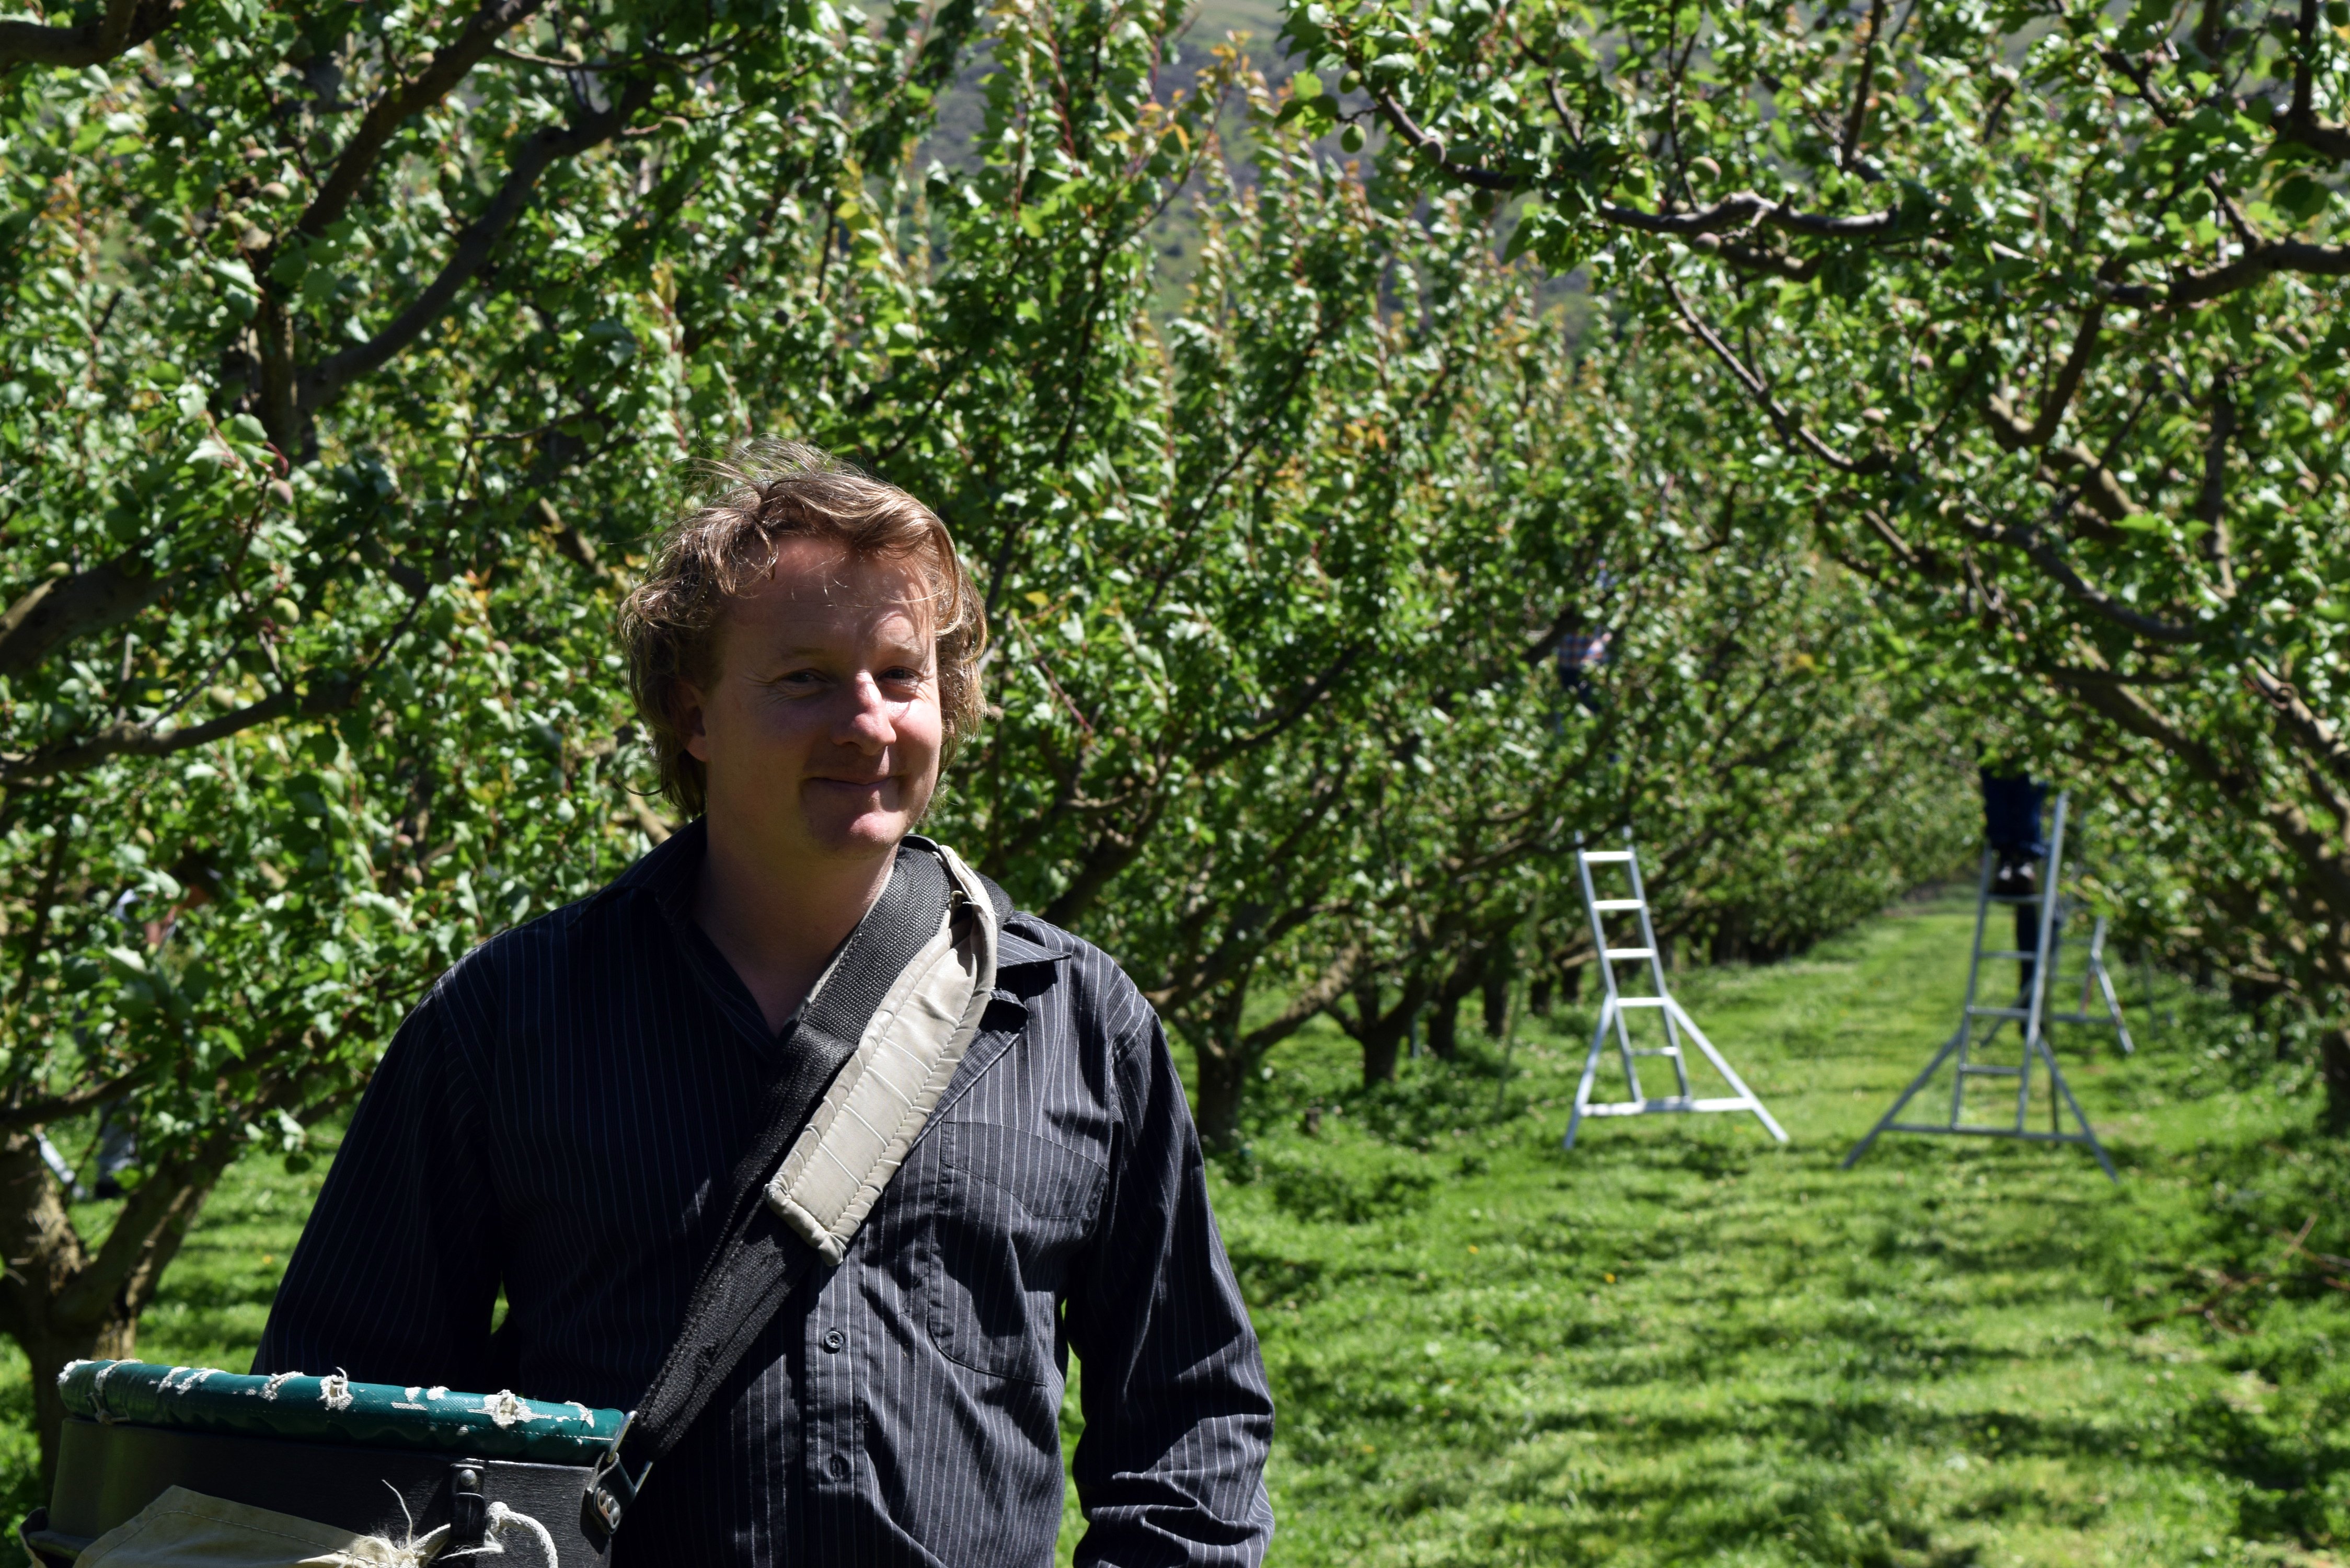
560 1119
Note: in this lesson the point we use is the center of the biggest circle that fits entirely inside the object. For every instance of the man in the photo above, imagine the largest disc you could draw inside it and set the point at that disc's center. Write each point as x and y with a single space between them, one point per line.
559 1120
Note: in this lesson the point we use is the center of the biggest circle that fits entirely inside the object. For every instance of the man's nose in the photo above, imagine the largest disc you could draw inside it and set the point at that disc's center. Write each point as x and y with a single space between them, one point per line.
867 727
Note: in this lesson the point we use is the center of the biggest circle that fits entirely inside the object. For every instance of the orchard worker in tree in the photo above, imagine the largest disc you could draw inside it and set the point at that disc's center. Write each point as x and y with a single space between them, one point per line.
797 1140
2012 804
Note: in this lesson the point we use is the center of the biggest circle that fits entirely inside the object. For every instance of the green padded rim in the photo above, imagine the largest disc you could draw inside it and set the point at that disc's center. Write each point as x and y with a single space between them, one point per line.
335 1409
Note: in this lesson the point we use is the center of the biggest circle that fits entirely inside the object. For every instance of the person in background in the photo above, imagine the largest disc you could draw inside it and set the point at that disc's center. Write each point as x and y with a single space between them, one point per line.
2013 803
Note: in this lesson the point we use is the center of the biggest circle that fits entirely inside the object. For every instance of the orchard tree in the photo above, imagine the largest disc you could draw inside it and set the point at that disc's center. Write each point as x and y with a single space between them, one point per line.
2036 306
332 339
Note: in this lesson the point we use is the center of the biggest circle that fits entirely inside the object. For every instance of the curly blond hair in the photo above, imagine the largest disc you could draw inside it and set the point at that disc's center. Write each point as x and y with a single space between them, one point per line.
761 494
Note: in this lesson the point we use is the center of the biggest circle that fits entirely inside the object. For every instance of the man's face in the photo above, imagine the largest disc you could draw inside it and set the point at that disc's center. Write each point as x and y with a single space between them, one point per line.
820 731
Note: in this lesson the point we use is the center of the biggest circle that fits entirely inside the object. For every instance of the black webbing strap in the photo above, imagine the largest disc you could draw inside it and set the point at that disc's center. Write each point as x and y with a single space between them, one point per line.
758 1261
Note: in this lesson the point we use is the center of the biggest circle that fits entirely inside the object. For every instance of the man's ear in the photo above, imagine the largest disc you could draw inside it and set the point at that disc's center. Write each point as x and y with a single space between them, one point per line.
686 710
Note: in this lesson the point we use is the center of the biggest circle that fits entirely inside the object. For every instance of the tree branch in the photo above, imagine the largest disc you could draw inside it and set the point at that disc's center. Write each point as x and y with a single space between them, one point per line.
1859 117
2046 555
2011 433
1303 1005
2254 265
2211 506
2301 121
63 610
323 382
126 24
1790 429
1741 210
402 103
145 1237
1778 263
65 1104
2302 724
328 694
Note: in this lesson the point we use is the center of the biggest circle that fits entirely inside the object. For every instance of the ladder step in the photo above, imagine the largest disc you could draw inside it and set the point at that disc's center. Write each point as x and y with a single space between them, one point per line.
1974 1071
1655 1050
1631 952
2005 953
1606 905
1639 1001
1604 856
1978 1129
1666 1103
1998 1012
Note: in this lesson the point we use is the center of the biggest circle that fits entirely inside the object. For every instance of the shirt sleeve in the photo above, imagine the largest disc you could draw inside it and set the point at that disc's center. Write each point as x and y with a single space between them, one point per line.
396 1276
1178 1415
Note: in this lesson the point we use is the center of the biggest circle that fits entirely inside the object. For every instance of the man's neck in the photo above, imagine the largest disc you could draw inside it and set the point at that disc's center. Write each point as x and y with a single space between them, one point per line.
779 924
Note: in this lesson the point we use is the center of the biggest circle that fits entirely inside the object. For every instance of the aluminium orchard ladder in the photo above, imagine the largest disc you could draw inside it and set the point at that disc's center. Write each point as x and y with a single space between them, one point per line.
2030 1016
1616 1008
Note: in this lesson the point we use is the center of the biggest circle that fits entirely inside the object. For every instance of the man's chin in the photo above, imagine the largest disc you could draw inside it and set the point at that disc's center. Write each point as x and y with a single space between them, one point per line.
867 832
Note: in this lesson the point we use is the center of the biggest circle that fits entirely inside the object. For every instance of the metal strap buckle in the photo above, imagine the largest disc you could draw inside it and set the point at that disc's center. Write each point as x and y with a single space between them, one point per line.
610 1490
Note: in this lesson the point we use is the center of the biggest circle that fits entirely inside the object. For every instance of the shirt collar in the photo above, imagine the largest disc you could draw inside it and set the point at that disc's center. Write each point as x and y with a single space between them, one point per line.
667 872
1025 940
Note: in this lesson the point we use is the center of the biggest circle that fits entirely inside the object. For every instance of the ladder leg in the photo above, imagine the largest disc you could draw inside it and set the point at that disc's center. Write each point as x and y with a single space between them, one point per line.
1624 1046
1916 1084
2024 1086
1965 1045
2089 969
2114 1006
1729 1073
1590 1072
2043 966
2088 1133
1961 1041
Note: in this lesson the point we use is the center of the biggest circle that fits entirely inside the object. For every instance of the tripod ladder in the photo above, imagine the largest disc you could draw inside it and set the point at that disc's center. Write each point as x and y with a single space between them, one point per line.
2030 1016
1614 1008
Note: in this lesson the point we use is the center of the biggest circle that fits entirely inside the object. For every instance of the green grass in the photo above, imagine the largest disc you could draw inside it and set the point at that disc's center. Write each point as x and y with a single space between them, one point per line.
1681 1344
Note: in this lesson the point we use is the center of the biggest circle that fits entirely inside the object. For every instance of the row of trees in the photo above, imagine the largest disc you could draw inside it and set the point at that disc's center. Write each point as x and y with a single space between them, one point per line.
349 353
2036 308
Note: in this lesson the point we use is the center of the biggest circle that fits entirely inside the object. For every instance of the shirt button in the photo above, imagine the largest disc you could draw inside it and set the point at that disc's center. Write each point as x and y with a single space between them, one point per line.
833 1339
837 1468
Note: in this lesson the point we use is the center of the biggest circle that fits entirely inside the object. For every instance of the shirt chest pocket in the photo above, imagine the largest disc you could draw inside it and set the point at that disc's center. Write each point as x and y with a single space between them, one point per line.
1009 1213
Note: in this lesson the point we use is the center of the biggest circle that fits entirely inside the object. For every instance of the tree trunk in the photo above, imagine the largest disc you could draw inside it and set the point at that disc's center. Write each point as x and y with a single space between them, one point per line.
1223 1075
60 1300
2334 1063
1495 983
1382 1033
1444 1026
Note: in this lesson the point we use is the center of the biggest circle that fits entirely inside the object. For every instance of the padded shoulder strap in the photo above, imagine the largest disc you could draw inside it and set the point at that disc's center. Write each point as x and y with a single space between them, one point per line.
882 1101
